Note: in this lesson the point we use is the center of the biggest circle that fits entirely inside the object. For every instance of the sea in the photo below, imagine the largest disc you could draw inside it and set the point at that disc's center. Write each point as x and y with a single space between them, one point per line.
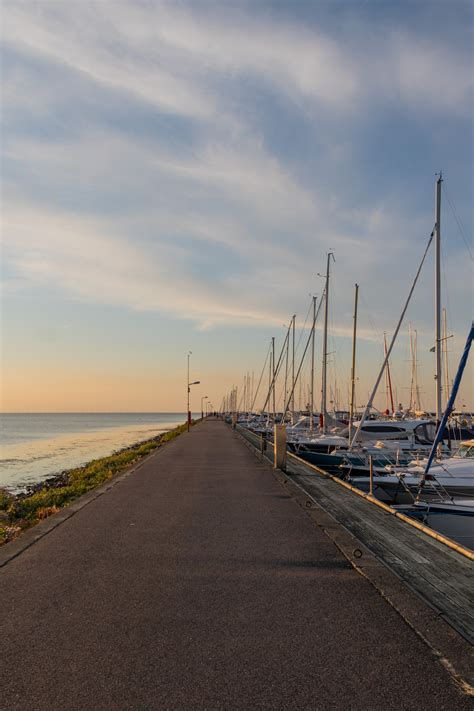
36 446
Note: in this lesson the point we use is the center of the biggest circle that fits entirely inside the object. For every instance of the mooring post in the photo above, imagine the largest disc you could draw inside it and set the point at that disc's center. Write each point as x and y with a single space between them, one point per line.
371 476
279 447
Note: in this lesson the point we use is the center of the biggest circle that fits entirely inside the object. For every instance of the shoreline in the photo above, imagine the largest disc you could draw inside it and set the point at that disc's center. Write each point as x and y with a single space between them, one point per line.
33 449
21 511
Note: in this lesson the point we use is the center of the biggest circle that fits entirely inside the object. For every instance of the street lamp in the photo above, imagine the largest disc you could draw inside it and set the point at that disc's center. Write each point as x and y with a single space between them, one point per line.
204 397
196 382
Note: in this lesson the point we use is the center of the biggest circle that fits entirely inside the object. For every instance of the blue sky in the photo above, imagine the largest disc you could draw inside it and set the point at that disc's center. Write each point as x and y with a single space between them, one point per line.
173 175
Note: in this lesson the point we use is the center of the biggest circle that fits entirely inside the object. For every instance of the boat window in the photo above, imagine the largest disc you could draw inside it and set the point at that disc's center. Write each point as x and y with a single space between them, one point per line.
425 433
383 428
467 451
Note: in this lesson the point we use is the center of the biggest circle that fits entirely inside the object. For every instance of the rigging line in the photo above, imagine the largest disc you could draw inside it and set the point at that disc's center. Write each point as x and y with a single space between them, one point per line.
241 401
339 367
459 224
392 343
375 330
278 366
261 376
304 326
445 283
287 404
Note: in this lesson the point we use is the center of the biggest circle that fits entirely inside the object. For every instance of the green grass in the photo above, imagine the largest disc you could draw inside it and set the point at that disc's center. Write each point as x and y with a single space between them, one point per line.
25 510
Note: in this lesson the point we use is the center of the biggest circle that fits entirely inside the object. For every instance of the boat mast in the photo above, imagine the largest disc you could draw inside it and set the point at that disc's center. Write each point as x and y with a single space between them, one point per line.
388 377
354 336
286 366
293 375
270 370
417 387
311 414
439 384
325 348
445 352
273 379
394 337
412 405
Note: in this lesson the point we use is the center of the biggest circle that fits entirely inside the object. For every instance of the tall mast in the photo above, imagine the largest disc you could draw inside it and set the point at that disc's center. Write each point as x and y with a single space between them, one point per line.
325 348
445 352
379 377
251 392
388 377
286 367
439 384
412 405
293 375
270 371
354 336
311 401
273 377
417 387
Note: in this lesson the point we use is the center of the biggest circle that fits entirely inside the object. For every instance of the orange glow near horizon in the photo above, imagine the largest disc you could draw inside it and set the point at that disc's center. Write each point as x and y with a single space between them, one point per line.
53 390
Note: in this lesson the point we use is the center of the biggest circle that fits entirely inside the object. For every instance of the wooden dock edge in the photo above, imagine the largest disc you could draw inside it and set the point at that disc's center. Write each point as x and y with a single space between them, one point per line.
448 646
372 500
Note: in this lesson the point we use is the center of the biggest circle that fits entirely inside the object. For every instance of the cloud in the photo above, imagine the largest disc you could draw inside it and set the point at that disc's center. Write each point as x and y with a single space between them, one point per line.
183 59
74 35
82 258
217 222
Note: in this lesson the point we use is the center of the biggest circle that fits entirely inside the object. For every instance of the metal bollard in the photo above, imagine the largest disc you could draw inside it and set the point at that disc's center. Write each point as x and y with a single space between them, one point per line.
279 447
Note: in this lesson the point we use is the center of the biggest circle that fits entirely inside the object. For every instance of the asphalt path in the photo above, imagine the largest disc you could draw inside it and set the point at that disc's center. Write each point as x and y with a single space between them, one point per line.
199 583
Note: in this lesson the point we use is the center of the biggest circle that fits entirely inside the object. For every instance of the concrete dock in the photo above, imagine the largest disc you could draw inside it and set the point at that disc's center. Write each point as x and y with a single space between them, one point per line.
198 582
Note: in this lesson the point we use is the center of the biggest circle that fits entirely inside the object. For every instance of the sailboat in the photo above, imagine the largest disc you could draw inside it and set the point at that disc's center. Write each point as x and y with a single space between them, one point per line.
448 515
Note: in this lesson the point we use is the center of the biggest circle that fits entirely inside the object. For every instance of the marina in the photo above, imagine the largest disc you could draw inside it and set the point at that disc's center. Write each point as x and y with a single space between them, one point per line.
423 466
237 394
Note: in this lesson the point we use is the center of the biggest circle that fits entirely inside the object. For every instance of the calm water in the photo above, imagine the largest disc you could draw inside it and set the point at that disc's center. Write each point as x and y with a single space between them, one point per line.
36 446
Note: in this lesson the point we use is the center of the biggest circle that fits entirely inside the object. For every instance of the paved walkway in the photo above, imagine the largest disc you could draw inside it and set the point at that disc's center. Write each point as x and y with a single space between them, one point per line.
198 583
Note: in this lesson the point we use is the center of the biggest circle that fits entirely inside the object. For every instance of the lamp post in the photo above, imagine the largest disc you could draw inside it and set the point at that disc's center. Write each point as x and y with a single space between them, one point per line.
196 382
204 397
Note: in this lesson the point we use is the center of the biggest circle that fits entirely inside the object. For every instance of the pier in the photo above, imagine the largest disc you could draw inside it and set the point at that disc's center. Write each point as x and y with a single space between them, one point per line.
204 579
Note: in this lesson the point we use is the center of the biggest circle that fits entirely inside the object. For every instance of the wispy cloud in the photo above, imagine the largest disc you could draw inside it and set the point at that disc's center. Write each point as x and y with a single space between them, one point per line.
132 214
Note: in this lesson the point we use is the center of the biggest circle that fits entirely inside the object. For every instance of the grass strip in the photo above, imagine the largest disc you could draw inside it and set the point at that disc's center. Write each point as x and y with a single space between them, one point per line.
21 511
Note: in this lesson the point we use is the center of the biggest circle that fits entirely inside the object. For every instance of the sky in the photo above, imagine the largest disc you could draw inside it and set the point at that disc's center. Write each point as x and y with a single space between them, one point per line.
174 174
